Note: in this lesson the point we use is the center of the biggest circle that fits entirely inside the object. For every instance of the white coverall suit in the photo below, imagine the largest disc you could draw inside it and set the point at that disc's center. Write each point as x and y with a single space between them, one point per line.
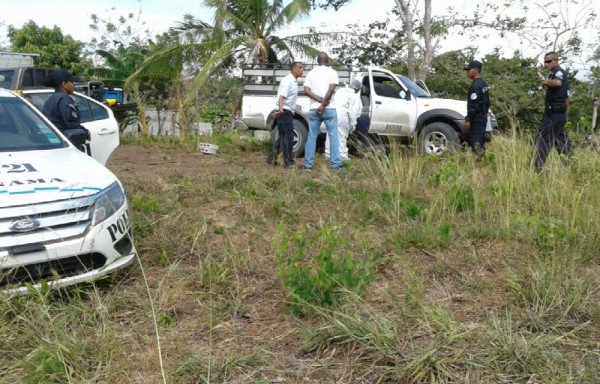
348 107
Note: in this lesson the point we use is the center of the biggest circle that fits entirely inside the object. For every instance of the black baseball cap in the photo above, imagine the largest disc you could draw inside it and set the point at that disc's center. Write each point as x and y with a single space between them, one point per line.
59 76
474 64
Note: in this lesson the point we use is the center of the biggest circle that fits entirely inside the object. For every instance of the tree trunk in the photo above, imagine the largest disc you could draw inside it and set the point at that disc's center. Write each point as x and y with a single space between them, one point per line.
141 114
428 49
160 123
595 114
407 23
427 56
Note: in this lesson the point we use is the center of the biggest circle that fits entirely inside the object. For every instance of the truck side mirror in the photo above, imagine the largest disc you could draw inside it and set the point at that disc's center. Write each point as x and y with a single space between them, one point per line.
404 94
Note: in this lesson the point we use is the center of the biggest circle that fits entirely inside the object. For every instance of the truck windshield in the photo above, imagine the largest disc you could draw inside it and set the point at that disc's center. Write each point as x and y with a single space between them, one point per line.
22 129
413 87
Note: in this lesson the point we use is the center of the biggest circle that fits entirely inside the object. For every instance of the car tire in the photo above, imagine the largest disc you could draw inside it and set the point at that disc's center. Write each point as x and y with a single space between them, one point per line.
437 138
300 137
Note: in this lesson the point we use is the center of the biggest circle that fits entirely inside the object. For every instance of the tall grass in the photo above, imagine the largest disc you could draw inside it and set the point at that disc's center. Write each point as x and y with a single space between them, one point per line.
408 269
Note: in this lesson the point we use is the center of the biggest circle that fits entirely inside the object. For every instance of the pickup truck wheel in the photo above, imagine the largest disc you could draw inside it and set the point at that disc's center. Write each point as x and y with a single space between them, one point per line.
300 136
437 138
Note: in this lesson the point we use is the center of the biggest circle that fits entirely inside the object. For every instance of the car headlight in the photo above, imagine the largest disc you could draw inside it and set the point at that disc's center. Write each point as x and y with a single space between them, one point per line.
107 203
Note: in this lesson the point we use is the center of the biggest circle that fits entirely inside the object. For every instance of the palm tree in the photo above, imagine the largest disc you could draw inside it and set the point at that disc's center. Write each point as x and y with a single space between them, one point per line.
244 31
122 63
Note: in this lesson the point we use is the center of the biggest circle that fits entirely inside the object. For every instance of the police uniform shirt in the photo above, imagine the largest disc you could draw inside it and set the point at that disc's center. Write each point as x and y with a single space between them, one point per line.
478 101
61 110
558 95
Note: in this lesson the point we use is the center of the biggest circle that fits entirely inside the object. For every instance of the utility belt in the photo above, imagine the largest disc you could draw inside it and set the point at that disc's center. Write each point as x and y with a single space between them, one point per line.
552 108
479 118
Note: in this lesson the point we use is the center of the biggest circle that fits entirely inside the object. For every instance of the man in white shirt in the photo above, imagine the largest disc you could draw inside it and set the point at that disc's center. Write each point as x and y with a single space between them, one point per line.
287 95
349 107
319 86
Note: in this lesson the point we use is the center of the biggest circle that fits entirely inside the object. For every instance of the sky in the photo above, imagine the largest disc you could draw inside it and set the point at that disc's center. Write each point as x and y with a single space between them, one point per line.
73 17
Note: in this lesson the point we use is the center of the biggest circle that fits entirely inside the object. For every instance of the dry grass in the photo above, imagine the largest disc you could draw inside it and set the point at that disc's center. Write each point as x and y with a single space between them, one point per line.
483 273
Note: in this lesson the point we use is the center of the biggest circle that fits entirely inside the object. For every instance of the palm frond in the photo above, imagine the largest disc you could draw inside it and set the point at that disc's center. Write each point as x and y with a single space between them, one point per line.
211 65
162 61
294 11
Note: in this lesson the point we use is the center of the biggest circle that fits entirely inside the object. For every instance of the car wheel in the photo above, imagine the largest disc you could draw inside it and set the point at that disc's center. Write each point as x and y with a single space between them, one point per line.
300 137
437 138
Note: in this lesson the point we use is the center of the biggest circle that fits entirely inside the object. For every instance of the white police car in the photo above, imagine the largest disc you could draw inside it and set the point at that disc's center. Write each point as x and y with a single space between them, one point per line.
64 217
97 118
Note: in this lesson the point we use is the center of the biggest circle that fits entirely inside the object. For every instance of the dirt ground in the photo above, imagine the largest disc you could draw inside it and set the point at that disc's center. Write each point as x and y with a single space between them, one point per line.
211 254
260 321
153 161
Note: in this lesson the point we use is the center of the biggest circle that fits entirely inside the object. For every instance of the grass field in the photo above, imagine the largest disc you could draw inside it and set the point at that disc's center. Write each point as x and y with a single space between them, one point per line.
410 269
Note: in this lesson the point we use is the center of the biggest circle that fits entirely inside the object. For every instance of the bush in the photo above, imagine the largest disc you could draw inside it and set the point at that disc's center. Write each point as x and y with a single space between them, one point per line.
320 281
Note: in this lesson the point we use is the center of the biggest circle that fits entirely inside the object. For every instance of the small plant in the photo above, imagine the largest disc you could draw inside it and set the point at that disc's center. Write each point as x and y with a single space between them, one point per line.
146 205
461 198
516 352
141 227
427 236
446 174
318 281
551 295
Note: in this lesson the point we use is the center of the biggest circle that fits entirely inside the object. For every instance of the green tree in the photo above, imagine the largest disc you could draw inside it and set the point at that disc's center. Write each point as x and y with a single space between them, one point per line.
244 31
378 43
56 50
121 47
125 30
595 77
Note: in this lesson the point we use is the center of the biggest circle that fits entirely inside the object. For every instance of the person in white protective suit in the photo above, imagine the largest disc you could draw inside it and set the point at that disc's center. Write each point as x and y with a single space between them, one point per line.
348 106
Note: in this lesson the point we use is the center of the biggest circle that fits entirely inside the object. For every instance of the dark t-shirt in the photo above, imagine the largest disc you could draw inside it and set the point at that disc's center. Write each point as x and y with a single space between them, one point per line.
558 95
61 110
478 101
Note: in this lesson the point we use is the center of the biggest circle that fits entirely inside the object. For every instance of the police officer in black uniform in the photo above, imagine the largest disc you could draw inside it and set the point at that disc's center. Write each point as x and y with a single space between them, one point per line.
60 108
478 105
552 131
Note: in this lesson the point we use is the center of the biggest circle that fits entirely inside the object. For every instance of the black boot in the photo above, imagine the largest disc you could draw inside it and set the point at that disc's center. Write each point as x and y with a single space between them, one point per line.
272 159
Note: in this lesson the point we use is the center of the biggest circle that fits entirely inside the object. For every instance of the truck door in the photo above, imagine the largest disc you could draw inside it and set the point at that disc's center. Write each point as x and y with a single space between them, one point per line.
393 109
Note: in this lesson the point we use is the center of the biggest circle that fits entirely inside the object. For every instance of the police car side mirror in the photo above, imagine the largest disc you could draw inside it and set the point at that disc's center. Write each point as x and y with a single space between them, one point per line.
76 136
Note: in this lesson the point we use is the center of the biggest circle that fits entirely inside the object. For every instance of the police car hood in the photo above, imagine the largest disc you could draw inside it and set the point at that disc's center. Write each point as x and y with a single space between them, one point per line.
32 177
459 106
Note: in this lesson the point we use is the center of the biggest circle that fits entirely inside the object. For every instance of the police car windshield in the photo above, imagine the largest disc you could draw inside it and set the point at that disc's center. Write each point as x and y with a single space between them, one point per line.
414 89
21 129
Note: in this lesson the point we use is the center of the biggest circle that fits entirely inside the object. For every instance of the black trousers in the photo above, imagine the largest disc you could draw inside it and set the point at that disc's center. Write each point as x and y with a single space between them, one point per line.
366 139
285 129
475 137
552 133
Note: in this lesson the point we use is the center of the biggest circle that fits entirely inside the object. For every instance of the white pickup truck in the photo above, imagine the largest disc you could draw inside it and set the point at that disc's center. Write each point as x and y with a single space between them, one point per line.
64 217
397 107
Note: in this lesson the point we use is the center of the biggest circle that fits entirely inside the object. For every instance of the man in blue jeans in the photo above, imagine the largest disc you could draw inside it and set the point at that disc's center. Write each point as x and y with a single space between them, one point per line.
319 86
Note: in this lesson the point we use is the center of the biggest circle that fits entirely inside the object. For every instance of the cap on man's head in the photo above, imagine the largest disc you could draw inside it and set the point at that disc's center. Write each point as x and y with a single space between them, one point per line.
59 76
356 85
474 64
